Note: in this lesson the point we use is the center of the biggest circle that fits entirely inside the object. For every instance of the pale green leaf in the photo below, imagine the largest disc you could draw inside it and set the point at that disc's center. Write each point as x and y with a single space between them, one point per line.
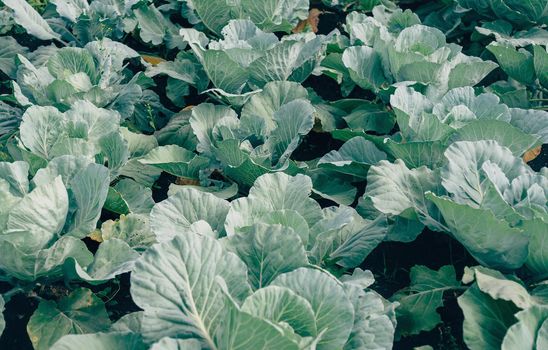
373 327
41 128
468 167
268 251
242 331
176 344
89 190
488 239
38 217
393 189
353 158
28 18
527 333
173 216
272 192
2 321
485 320
365 67
112 258
279 304
176 285
175 160
333 311
498 286
100 341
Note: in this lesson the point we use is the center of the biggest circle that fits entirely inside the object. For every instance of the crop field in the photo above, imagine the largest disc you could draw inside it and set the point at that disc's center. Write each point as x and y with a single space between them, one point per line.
273 174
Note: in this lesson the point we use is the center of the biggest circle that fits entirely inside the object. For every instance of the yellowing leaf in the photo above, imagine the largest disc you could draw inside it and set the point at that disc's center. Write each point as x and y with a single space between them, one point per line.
531 154
312 22
154 60
96 236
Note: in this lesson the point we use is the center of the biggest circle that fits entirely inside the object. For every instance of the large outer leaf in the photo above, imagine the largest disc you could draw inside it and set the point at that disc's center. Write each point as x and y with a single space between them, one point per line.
40 129
418 303
283 60
276 15
129 196
268 251
530 331
470 72
279 304
373 329
464 174
365 67
293 120
272 192
175 160
173 216
113 257
242 331
215 14
224 72
257 114
28 18
46 262
70 9
9 49
138 144
531 121
16 175
38 217
485 319
333 311
80 312
67 167
100 341
152 24
178 131
203 120
332 186
89 190
503 133
358 243
417 154
114 148
2 321
537 260
517 64
393 188
498 286
177 284
541 64
353 158
490 240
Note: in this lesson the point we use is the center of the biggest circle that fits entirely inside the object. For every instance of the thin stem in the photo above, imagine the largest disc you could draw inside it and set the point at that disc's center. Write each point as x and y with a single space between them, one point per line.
10 293
62 41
